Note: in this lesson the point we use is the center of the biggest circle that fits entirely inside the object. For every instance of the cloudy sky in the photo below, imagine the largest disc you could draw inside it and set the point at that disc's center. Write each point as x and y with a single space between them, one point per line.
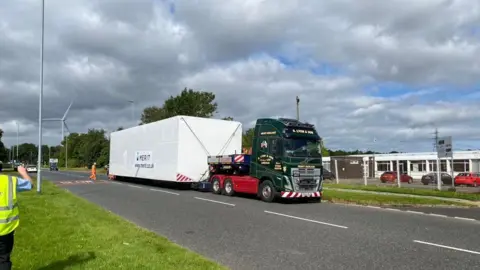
391 70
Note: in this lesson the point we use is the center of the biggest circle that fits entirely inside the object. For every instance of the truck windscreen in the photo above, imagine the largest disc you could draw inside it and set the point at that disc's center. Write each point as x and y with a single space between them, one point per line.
297 147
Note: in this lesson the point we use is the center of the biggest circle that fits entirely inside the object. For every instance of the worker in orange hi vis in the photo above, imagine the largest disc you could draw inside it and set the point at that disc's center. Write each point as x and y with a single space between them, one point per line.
93 176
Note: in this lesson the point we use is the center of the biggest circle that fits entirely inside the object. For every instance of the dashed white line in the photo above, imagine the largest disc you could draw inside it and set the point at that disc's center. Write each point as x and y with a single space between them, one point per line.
164 191
134 186
462 218
447 247
306 219
203 199
374 207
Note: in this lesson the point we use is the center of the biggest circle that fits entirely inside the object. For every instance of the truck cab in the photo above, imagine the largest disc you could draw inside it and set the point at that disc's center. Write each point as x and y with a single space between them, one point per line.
285 161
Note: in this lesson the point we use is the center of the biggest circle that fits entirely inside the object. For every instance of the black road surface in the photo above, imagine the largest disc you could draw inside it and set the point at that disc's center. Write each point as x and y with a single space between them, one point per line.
245 233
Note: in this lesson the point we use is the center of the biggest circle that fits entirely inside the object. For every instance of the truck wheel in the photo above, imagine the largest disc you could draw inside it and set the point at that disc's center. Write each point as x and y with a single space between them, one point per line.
228 187
216 186
267 191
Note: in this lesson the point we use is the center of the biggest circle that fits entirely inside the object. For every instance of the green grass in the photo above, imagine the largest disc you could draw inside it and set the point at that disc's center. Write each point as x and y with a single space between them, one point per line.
409 191
384 199
59 230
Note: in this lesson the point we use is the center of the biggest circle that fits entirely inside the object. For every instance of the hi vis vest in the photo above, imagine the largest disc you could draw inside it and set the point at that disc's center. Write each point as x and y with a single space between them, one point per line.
9 213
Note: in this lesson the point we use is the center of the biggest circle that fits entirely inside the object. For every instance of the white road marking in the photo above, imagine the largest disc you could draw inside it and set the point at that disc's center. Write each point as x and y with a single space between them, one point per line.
164 191
203 199
374 207
393 209
305 219
437 215
135 186
447 247
415 212
462 218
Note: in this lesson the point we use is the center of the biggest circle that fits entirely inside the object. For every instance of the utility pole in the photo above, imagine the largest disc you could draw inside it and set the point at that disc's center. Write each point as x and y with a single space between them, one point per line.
18 143
438 162
133 111
435 139
298 109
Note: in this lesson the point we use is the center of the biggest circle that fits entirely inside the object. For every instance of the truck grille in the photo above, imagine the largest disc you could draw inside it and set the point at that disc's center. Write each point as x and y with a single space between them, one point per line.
306 180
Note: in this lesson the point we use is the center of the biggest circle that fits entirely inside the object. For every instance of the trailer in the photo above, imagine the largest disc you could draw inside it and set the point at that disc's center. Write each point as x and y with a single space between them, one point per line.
284 161
172 150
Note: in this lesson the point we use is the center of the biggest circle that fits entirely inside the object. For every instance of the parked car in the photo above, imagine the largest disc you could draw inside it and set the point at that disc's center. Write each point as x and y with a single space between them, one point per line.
392 177
431 178
328 174
31 168
469 179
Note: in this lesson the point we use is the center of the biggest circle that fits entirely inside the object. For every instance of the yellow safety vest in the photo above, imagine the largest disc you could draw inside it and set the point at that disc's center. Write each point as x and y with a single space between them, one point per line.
9 213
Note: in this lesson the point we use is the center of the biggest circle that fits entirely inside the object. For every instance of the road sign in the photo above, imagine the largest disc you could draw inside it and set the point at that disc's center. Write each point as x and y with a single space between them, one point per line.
444 147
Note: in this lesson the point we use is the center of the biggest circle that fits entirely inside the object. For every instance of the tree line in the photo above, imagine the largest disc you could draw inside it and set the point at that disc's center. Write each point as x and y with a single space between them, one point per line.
82 149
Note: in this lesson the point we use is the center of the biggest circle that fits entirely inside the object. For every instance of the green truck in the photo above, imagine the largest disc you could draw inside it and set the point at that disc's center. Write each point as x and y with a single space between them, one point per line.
285 161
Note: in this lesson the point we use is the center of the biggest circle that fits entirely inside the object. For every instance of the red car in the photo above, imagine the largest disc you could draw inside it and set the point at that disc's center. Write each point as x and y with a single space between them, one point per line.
469 179
392 177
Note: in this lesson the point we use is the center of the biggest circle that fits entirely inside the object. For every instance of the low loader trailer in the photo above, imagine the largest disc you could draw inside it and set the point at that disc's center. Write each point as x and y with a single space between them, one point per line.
284 161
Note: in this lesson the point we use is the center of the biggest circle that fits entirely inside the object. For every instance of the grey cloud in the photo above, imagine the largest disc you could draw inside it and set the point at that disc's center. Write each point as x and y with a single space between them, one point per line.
104 53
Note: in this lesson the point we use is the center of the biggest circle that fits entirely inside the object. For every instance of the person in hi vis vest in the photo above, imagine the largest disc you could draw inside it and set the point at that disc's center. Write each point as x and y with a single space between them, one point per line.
9 213
93 176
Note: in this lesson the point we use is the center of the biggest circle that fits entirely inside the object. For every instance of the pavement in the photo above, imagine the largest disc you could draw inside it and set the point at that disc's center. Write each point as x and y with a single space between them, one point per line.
245 233
472 203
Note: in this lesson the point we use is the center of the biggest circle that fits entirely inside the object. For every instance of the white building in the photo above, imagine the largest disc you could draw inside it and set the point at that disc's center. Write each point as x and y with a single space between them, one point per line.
418 164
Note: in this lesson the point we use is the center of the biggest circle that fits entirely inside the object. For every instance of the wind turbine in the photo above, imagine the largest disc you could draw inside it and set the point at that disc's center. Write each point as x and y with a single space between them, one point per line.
63 125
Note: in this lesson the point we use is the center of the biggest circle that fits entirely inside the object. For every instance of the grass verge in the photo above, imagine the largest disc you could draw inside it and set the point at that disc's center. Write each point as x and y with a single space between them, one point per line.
409 191
59 230
384 199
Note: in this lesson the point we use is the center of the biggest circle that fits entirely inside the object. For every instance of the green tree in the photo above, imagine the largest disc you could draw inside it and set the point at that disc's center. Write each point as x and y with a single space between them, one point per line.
188 102
3 151
28 153
325 152
152 114
247 138
228 118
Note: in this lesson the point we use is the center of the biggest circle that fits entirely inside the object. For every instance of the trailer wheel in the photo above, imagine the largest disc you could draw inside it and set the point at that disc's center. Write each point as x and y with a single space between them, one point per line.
216 186
267 191
228 187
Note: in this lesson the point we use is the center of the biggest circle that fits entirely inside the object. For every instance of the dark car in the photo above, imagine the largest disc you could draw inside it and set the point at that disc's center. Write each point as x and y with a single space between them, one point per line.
431 178
392 177
328 175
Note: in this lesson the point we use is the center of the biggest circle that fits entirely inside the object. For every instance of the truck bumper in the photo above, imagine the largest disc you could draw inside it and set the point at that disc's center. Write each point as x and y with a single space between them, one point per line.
291 194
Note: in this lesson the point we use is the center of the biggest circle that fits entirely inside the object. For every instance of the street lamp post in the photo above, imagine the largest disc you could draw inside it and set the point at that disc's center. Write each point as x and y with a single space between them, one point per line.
40 105
133 111
18 131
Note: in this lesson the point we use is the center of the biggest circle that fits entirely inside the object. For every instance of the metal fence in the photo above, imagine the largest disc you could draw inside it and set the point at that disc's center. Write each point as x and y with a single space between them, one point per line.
357 171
